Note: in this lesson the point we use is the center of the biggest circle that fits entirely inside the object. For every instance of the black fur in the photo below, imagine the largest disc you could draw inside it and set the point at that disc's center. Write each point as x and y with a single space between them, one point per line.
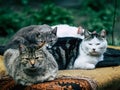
111 58
65 51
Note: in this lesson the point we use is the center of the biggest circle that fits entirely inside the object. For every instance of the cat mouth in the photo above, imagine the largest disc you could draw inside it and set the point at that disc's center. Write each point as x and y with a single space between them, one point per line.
94 53
31 71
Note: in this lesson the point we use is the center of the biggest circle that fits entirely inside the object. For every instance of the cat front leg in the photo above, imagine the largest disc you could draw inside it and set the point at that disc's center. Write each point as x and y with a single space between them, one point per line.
52 77
84 65
89 66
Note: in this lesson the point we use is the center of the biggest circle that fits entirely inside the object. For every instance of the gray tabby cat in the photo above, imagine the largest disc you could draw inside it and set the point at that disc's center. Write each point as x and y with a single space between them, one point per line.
26 63
33 34
30 65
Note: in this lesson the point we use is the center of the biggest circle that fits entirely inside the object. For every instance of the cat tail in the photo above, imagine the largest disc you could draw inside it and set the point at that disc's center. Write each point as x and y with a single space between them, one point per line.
2 50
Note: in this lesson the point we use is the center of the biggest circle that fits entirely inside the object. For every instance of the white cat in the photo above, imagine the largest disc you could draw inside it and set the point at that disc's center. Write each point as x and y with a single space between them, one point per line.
64 30
91 50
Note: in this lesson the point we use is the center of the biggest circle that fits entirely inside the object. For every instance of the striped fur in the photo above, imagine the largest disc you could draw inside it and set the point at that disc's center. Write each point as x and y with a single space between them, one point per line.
65 51
30 66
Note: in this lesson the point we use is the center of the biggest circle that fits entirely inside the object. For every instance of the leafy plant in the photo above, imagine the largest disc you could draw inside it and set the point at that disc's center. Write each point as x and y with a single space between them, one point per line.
100 15
12 20
8 21
52 14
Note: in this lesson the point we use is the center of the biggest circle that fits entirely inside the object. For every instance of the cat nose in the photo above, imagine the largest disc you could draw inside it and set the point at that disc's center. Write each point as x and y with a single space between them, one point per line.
32 62
93 49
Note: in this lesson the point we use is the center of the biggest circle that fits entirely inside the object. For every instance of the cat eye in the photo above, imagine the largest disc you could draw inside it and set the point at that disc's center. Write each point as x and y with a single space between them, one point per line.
42 41
38 36
51 40
36 57
98 44
27 58
90 43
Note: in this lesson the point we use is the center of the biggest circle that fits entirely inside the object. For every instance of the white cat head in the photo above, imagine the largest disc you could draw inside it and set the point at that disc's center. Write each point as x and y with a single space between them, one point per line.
94 44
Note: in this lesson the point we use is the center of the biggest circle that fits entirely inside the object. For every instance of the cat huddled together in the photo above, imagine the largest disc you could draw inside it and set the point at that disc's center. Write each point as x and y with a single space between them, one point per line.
33 34
35 53
30 65
26 56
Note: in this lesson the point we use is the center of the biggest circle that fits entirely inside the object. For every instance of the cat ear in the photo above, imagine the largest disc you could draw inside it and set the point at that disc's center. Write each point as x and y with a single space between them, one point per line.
94 32
86 33
54 31
22 48
103 33
80 30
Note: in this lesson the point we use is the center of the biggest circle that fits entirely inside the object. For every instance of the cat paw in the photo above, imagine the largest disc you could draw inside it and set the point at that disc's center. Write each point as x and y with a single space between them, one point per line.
51 77
85 66
90 66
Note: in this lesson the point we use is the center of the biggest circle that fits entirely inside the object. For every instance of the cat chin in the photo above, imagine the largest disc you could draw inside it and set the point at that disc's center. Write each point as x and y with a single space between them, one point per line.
30 71
94 54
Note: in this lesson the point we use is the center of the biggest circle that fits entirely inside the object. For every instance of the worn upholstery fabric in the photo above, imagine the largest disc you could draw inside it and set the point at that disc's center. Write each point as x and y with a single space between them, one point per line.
60 83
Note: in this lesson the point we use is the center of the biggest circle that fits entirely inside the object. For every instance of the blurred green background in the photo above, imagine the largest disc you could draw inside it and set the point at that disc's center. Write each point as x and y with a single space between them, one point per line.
90 14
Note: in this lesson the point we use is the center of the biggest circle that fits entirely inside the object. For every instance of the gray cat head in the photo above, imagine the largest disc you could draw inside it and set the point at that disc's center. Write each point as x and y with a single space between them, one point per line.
94 43
31 59
30 64
43 33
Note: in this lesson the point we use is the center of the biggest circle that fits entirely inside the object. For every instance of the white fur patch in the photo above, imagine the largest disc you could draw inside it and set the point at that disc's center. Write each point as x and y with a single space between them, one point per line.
64 30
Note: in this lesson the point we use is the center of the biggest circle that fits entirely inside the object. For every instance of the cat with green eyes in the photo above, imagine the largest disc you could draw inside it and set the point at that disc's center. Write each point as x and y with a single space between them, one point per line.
30 64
